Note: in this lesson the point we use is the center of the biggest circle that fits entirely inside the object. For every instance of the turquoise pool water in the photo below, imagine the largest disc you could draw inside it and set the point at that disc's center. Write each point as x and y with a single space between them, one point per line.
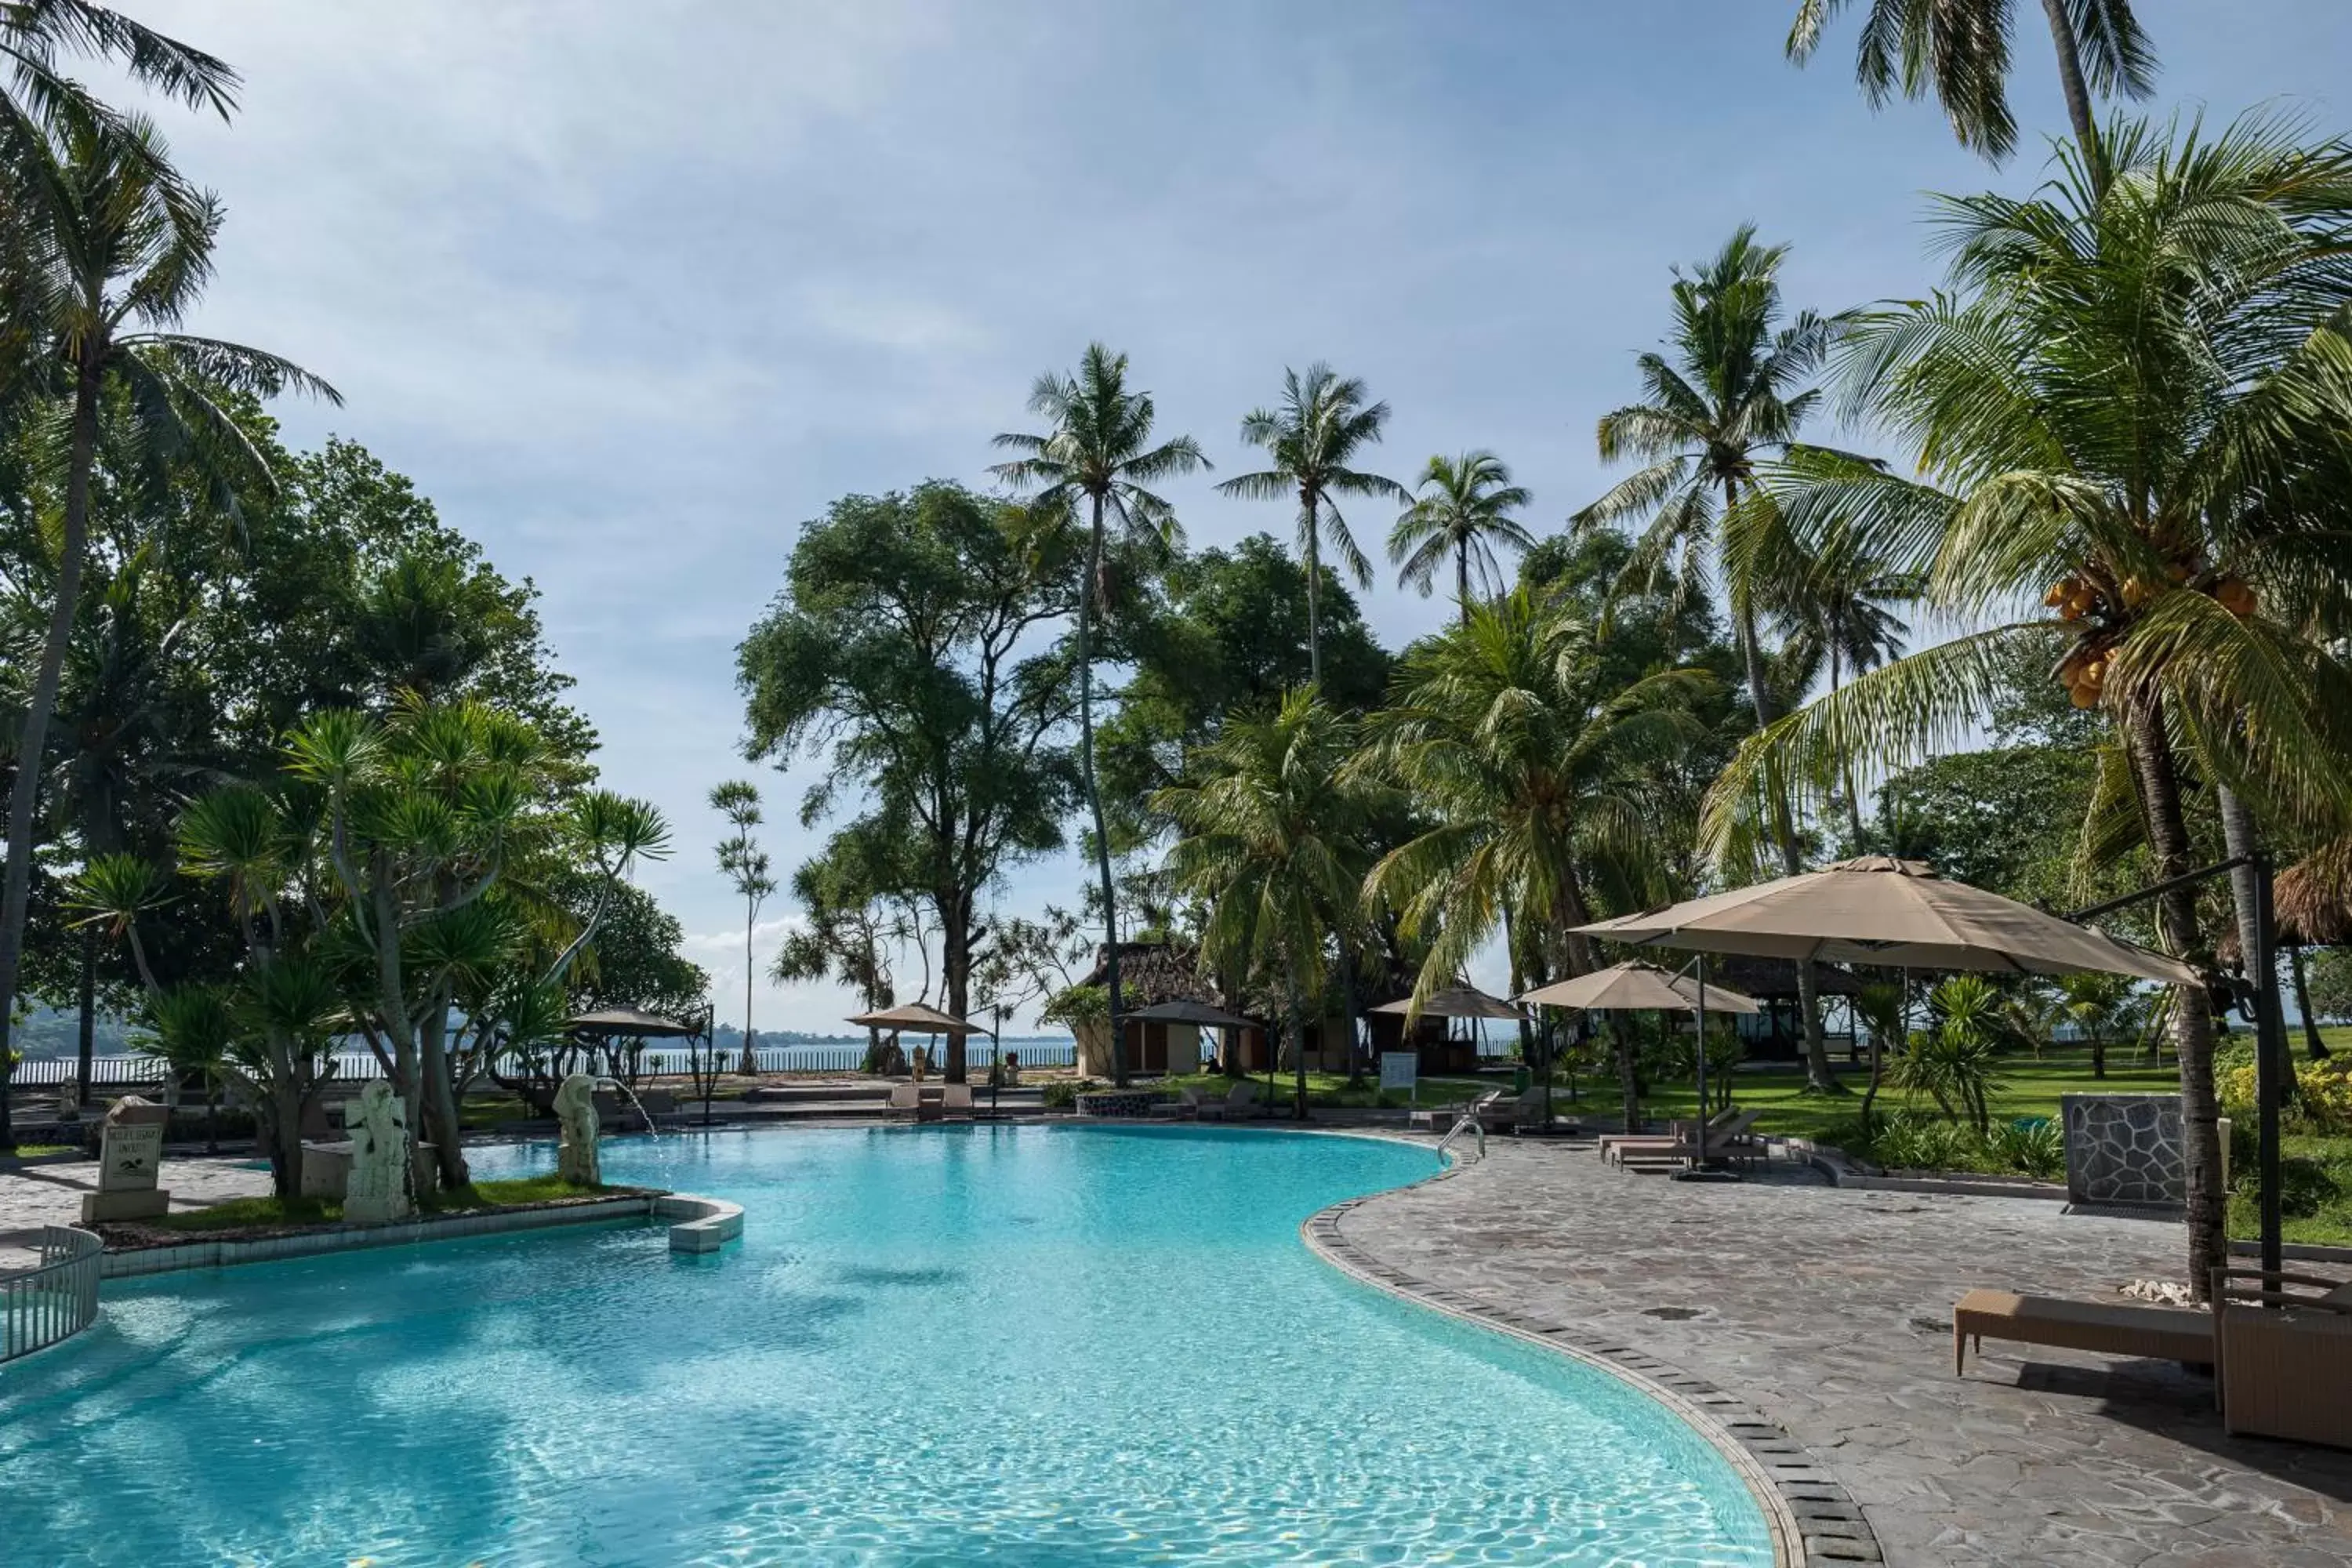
1027 1345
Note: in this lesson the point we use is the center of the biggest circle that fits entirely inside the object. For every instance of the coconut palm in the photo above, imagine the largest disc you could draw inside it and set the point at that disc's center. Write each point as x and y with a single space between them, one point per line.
1272 843
1322 423
1463 509
1958 50
1097 449
1730 399
113 262
2119 410
1508 732
1841 610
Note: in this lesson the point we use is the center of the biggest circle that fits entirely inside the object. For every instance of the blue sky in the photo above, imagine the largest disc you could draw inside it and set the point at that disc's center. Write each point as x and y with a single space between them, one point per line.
633 289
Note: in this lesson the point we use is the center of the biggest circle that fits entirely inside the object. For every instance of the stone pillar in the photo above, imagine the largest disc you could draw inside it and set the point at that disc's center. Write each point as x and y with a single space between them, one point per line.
130 1157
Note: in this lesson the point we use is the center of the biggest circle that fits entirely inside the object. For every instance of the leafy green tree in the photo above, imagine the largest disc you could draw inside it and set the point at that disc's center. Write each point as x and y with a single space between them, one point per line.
117 258
1537 771
1099 451
2329 983
1323 422
1272 844
1958 50
1732 396
2105 1008
2122 409
914 644
847 895
1463 510
746 866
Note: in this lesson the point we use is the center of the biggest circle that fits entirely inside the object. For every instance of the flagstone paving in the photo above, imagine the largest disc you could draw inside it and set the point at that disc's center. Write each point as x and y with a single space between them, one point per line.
1830 1311
36 1196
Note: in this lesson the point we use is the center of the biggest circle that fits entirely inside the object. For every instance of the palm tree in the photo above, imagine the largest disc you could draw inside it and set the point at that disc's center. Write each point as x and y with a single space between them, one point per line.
1098 448
35 33
1464 506
1958 50
1323 423
114 262
1273 845
743 863
1730 399
1840 609
2132 393
1509 733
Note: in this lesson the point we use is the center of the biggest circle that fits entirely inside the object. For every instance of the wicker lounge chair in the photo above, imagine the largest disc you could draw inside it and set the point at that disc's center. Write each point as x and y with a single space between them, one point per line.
2156 1333
1185 1107
955 1102
2285 1355
1241 1104
1724 1137
906 1099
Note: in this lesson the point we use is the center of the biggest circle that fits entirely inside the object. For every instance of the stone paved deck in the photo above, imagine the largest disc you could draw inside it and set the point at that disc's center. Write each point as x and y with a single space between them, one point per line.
1830 1311
36 1196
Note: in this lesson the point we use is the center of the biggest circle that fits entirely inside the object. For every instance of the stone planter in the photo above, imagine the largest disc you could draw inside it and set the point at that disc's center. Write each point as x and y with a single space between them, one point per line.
1126 1102
2124 1149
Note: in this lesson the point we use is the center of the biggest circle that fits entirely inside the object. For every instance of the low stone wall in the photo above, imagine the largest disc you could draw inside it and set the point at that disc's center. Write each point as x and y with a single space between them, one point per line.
1131 1103
2124 1149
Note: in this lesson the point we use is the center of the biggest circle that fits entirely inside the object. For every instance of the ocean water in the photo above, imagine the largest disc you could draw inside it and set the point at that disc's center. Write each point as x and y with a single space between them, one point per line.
1027 1345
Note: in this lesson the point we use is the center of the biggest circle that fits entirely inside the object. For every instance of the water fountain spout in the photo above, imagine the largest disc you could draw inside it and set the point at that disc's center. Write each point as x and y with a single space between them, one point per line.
652 1127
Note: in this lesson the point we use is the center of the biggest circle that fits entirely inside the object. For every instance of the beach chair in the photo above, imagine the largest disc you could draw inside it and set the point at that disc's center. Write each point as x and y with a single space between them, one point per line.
1240 1103
1719 1138
2155 1334
907 1100
955 1102
1186 1107
1676 1132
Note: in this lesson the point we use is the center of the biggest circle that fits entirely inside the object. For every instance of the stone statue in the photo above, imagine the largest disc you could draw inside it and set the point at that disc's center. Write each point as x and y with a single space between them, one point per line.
576 1111
379 1185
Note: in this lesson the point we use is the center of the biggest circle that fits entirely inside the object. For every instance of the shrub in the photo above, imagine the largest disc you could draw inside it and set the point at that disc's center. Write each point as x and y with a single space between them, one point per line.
1063 1092
2323 1089
2033 1145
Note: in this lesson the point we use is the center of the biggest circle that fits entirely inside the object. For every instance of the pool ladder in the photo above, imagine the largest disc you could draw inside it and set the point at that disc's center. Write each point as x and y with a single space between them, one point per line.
1466 1123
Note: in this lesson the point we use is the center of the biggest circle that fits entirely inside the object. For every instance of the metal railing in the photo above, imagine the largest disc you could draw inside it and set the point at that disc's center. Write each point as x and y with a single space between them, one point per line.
54 1301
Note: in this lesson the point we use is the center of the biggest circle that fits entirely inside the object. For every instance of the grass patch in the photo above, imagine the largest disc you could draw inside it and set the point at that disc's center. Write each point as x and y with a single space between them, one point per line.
507 1195
238 1213
28 1150
1329 1091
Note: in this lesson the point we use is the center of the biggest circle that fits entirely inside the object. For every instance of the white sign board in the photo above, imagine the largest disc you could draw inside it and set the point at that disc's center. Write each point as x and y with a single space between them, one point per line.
1401 1069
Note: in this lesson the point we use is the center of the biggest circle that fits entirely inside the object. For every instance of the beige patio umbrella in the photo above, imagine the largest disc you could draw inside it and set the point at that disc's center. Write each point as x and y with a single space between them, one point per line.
916 1018
1637 987
1895 913
1455 1002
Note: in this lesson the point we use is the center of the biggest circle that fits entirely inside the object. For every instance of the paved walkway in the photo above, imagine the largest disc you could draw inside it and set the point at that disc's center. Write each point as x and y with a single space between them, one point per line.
35 1195
1831 1310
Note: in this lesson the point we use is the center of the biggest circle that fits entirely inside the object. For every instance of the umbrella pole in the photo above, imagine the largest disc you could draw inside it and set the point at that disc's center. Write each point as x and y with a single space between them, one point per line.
1703 1111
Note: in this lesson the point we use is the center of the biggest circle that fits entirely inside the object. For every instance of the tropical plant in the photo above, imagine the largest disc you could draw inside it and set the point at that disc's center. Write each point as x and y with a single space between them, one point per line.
1509 734
1463 509
1312 438
1955 1061
1731 397
116 255
1098 449
746 867
1958 50
1271 844
2105 1009
2128 409
1883 1011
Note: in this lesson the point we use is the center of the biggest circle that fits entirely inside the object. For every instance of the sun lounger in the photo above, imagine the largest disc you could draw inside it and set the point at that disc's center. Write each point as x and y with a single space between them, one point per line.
2155 1334
1723 1137
2285 1346
1676 1132
906 1099
1188 1106
955 1102
1241 1104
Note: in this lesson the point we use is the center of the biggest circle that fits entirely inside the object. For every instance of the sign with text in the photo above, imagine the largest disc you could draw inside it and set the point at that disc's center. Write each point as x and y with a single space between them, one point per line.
1401 1069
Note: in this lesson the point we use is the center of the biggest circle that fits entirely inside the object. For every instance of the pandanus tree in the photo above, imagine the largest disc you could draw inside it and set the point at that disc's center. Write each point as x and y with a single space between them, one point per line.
1272 843
1730 396
2130 409
749 871
1322 423
1462 510
1096 454
107 255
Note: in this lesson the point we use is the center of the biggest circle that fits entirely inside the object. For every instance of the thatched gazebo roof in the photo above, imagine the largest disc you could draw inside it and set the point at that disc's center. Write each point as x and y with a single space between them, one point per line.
2313 897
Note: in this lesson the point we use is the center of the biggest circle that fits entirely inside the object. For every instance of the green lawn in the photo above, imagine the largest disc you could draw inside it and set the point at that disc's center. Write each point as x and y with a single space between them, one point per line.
237 1212
1329 1091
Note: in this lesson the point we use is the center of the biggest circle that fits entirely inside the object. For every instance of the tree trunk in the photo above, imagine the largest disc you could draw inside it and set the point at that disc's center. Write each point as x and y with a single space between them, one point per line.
1629 1082
1308 500
86 1041
2311 1040
1845 765
32 738
441 1101
2077 92
285 1137
955 978
2098 1054
1093 796
1297 1038
749 1065
2192 1024
1462 578
1818 1077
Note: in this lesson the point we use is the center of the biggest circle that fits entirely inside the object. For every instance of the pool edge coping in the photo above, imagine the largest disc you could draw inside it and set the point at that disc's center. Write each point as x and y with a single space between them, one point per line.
1792 1488
697 1224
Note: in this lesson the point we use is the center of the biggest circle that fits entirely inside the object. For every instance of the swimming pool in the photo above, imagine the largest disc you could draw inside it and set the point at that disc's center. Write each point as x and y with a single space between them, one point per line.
1030 1345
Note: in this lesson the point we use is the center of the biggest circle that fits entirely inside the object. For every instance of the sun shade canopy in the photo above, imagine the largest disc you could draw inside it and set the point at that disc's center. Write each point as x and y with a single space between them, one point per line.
1636 986
1895 913
630 1021
1455 1002
915 1018
1185 1011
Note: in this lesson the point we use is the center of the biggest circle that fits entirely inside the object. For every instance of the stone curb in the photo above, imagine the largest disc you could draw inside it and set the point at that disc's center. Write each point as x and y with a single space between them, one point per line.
709 1222
1813 1520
